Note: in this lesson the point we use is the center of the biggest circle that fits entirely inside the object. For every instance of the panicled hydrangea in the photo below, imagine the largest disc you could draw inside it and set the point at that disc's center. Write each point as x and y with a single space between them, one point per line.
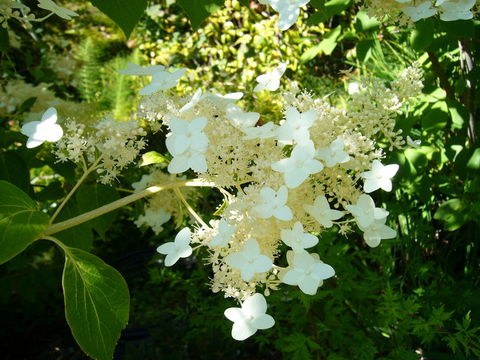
285 181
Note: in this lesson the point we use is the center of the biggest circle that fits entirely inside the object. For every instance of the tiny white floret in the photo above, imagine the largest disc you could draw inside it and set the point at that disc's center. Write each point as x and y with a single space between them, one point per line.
379 177
334 153
322 212
296 126
250 317
297 239
270 80
180 248
249 260
421 11
307 272
225 232
365 212
44 130
377 231
272 203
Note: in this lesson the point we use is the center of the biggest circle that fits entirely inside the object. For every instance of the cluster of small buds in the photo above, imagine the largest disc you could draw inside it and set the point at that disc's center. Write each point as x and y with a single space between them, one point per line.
415 10
111 145
284 180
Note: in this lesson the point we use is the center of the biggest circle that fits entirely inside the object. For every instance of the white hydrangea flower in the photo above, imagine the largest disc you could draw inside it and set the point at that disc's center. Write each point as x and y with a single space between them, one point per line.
260 132
365 212
297 239
288 11
44 130
296 126
334 153
241 119
134 69
180 248
413 143
57 10
307 272
270 80
421 11
153 218
162 80
249 260
379 177
186 134
377 231
250 317
187 143
299 165
273 204
197 96
354 87
456 10
225 232
322 212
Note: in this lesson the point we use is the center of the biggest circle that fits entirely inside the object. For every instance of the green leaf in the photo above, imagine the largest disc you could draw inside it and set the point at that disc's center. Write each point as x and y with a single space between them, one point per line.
125 13
454 213
4 41
365 23
422 36
14 170
436 117
474 161
97 303
90 197
326 46
327 10
458 113
369 49
153 157
199 10
20 222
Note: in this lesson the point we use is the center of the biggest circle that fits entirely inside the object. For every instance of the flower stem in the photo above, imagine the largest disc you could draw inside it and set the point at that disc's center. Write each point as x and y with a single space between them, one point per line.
69 195
189 208
80 219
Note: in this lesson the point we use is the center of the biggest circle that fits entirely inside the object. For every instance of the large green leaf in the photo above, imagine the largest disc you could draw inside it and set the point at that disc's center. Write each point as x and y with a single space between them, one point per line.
125 13
20 222
97 303
90 197
199 10
14 170
454 213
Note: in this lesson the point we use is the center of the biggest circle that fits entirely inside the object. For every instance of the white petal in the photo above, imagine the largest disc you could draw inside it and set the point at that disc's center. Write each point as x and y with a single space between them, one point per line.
263 322
166 248
178 165
254 305
234 314
54 133
309 285
242 330
283 213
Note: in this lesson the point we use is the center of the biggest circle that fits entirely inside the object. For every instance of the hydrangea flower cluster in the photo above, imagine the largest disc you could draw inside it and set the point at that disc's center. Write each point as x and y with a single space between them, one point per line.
109 145
415 10
284 182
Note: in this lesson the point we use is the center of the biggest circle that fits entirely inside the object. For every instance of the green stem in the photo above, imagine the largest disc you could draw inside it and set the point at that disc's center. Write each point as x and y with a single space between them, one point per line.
189 208
69 195
80 219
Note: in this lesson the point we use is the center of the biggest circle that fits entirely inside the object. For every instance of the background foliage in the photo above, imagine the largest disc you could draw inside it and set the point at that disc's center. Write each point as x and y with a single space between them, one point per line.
412 296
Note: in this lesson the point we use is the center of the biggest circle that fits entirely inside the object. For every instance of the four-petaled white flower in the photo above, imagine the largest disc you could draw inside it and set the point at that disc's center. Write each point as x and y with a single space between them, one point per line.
260 132
297 239
365 211
162 80
295 126
288 11
250 317
241 119
134 69
249 260
44 130
270 80
224 234
193 101
321 211
57 10
180 248
307 272
379 177
334 153
377 231
299 165
187 143
456 10
421 11
273 204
